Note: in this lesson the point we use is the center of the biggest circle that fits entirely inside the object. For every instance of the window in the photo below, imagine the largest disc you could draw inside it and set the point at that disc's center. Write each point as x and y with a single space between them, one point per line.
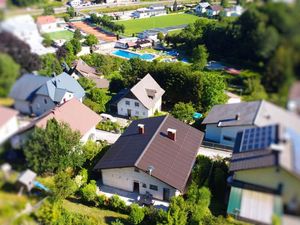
121 109
136 104
144 113
137 112
127 102
144 185
45 100
226 138
136 170
153 187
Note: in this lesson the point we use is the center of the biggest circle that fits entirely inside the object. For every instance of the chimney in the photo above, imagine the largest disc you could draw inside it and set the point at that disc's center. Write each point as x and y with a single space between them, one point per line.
172 134
141 128
237 116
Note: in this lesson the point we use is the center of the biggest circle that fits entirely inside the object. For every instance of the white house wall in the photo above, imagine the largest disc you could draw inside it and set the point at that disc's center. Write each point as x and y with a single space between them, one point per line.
139 111
8 129
88 135
123 178
221 134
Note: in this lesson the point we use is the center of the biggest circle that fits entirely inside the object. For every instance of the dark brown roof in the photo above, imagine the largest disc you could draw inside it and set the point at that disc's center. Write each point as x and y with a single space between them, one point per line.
172 160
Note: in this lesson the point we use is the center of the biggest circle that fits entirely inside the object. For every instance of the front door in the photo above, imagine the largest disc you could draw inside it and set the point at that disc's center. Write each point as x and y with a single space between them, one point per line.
129 112
136 187
166 194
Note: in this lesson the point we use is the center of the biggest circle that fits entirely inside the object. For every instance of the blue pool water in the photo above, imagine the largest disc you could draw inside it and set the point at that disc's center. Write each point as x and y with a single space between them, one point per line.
130 55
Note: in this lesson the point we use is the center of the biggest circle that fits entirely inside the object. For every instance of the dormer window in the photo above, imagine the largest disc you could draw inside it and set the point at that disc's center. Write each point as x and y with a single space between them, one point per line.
151 93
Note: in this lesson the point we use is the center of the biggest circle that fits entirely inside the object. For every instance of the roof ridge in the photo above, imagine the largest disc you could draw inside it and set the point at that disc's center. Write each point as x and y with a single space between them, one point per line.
149 143
258 111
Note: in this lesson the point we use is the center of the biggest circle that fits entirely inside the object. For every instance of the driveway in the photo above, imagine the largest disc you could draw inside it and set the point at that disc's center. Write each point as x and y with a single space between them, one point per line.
101 135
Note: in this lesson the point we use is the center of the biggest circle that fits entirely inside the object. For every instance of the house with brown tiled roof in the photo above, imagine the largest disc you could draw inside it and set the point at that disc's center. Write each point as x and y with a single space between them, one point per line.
142 100
265 175
74 113
8 123
82 69
154 155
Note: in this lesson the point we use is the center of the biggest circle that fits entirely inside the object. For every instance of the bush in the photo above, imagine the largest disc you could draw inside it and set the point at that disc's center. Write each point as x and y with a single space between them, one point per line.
64 186
82 178
117 204
49 212
136 215
117 222
101 200
109 126
88 192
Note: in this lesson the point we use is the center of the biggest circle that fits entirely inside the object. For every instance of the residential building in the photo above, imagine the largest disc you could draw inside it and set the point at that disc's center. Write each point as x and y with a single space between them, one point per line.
154 10
78 116
25 28
223 122
213 10
154 155
201 8
236 10
265 177
75 3
47 24
294 98
8 123
81 69
34 94
142 100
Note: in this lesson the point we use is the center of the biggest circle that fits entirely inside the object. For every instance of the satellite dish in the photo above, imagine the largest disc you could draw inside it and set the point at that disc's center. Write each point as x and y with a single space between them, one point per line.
150 169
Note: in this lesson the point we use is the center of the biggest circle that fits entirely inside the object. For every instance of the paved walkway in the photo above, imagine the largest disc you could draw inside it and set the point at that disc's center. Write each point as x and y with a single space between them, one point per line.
214 153
101 135
129 197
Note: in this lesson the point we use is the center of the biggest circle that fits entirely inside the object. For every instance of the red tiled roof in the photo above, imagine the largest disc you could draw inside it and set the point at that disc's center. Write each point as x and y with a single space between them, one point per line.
6 114
73 112
45 20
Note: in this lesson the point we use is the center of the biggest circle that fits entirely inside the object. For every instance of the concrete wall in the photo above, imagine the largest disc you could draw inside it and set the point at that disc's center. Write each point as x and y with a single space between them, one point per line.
269 177
139 111
7 129
221 134
22 106
123 178
42 104
88 135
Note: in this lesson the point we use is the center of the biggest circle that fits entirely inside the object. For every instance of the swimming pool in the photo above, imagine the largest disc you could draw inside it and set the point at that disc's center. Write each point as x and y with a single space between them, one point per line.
130 55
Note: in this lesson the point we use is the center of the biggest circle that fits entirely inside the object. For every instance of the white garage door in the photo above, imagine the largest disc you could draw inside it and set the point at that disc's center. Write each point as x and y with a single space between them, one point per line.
257 206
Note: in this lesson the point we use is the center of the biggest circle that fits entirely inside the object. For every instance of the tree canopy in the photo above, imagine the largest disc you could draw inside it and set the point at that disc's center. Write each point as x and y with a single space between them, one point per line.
54 148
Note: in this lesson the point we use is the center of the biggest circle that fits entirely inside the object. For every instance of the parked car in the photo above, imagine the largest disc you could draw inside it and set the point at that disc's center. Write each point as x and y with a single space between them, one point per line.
108 117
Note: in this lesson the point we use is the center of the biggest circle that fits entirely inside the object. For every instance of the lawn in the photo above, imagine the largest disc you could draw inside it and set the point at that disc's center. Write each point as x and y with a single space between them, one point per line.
65 34
102 216
139 25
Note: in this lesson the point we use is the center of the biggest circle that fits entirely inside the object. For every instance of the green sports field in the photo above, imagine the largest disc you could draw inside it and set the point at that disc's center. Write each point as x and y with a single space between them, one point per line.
65 34
139 25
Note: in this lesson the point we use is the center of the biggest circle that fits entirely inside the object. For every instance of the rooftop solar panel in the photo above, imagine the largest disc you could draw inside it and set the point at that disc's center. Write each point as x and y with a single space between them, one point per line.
258 138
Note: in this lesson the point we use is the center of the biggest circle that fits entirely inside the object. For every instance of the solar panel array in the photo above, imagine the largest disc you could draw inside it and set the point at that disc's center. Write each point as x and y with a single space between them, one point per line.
258 138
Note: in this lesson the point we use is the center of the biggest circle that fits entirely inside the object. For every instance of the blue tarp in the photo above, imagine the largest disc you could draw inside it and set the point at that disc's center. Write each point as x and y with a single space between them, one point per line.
197 115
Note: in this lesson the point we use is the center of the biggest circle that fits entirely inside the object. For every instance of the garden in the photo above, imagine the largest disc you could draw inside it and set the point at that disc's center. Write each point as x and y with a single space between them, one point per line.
58 35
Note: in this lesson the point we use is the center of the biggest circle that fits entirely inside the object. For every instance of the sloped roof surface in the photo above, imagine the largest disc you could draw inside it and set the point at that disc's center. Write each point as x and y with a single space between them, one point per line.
6 114
172 160
77 115
142 88
45 20
295 91
26 86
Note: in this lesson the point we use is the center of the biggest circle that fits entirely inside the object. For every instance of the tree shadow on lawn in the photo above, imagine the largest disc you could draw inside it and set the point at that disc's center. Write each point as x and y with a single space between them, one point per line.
110 219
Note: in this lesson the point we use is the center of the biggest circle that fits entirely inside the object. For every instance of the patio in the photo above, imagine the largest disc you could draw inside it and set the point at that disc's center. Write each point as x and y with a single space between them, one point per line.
129 197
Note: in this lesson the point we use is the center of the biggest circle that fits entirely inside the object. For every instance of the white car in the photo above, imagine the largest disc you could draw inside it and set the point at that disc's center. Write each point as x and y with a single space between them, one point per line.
108 117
